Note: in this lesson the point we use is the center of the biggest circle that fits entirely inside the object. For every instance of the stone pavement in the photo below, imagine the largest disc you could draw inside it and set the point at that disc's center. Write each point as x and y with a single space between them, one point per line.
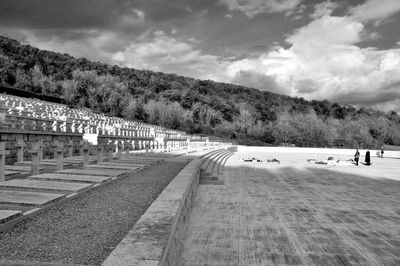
296 213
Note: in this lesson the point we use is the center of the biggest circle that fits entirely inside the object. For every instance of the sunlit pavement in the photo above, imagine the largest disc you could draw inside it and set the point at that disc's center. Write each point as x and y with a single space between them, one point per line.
297 213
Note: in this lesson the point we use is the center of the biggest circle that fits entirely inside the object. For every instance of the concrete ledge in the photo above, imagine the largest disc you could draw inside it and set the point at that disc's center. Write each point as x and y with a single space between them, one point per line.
156 239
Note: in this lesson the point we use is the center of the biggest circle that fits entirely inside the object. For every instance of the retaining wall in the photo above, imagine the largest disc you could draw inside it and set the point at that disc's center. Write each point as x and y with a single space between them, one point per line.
156 239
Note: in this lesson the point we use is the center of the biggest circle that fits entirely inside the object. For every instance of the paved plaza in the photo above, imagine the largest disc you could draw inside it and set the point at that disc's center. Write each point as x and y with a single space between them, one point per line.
297 213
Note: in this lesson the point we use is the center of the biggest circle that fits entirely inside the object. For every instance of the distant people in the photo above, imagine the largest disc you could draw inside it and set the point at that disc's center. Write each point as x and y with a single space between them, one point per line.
357 157
367 158
259 161
382 152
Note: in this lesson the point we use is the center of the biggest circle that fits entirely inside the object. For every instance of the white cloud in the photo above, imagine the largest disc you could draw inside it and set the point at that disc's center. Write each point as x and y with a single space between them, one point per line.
375 10
327 30
324 9
159 52
254 7
324 62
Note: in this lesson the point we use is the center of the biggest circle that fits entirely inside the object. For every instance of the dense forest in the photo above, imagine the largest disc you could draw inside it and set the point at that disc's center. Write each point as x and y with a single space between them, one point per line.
245 115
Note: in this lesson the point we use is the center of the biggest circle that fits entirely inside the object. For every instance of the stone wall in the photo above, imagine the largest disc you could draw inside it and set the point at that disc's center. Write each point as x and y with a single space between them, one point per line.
29 138
174 247
157 237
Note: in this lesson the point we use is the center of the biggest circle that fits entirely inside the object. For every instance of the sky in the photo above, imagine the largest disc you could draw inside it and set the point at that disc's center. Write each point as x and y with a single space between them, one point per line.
342 51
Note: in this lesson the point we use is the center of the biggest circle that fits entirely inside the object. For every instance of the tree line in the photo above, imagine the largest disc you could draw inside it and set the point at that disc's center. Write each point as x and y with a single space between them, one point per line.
242 114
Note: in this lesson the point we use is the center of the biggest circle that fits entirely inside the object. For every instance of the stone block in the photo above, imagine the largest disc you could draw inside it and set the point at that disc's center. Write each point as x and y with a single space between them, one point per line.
25 198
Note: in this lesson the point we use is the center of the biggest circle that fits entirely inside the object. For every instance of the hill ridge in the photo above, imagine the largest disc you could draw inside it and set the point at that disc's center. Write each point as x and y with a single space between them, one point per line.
247 115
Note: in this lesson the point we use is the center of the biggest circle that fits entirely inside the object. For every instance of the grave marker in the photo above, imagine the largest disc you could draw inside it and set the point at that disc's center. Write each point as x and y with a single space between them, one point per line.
20 148
60 156
35 158
119 149
99 152
3 154
70 147
110 151
85 153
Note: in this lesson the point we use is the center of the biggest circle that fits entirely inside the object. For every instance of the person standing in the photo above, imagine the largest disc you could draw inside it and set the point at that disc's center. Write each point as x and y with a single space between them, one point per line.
382 152
367 158
357 156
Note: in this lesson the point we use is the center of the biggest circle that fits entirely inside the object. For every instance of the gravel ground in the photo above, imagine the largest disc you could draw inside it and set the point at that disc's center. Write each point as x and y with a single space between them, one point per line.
86 229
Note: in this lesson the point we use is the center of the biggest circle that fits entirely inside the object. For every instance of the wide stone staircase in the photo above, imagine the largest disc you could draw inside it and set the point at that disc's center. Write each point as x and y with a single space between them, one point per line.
212 167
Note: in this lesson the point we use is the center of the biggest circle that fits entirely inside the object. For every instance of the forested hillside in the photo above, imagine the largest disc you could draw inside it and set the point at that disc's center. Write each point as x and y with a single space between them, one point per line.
243 114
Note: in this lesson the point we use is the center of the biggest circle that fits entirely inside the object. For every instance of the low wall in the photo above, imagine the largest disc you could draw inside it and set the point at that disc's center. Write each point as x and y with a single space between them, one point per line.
31 137
328 151
156 238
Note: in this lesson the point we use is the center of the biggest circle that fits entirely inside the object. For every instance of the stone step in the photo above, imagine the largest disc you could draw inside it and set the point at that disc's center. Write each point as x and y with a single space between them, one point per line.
8 173
42 163
135 161
25 198
124 164
71 178
20 168
7 215
210 182
143 159
79 160
111 166
95 172
42 185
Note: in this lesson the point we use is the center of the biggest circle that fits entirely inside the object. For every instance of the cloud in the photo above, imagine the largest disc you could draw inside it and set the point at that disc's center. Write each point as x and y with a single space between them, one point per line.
89 43
324 9
375 10
306 86
43 14
324 62
159 52
258 81
254 7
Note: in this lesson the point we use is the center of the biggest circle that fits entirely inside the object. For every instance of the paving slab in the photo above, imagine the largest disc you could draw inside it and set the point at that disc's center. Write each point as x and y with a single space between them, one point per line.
27 198
7 215
140 159
93 172
134 161
43 163
71 177
110 166
78 160
8 173
20 168
125 164
28 184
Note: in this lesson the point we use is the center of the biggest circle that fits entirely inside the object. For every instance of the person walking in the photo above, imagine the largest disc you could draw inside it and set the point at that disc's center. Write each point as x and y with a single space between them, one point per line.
382 152
367 158
357 156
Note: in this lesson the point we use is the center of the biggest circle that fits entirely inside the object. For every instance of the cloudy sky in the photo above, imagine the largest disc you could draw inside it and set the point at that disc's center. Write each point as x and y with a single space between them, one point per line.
343 51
